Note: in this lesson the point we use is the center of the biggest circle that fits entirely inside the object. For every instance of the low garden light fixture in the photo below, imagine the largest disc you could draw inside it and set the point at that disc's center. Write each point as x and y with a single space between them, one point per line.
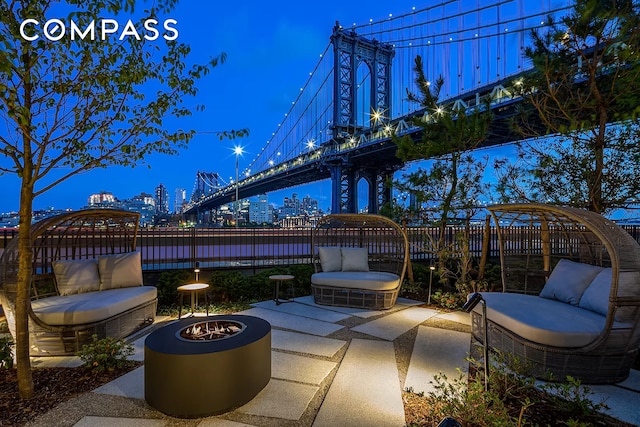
473 300
431 269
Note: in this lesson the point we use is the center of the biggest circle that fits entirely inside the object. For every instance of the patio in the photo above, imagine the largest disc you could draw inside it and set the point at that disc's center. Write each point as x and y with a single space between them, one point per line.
330 366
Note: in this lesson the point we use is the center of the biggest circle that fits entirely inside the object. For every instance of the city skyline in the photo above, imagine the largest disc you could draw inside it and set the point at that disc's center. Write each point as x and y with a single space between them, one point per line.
269 48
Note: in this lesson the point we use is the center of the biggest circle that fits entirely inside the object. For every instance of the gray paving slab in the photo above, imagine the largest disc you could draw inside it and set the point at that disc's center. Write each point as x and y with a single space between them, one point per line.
290 321
138 349
301 369
304 310
366 389
359 312
456 316
90 421
303 343
395 324
436 351
633 382
130 385
407 301
219 422
622 403
281 399
56 362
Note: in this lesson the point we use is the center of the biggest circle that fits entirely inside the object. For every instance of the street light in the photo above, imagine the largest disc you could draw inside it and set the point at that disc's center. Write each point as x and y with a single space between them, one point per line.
238 152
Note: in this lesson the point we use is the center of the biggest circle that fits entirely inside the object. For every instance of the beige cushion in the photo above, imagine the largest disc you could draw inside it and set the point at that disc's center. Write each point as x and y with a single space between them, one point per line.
568 281
373 280
355 259
544 321
330 258
76 276
120 271
91 307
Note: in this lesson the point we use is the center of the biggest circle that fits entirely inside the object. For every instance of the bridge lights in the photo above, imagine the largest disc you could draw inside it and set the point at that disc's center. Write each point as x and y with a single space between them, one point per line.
311 144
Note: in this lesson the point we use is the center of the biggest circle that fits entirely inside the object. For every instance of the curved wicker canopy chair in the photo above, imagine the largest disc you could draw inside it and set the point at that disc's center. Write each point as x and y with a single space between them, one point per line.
532 239
75 235
387 248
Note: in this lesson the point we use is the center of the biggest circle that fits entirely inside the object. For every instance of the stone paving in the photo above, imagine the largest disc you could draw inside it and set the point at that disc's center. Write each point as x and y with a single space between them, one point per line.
331 366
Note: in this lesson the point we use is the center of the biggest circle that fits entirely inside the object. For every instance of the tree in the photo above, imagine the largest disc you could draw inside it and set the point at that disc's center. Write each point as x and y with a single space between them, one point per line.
70 104
584 90
449 132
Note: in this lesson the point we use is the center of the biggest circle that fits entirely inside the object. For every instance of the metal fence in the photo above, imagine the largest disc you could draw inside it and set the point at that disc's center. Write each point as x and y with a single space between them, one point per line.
176 248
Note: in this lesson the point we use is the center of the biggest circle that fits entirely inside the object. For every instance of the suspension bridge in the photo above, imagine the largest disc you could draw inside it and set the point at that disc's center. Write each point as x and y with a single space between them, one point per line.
340 125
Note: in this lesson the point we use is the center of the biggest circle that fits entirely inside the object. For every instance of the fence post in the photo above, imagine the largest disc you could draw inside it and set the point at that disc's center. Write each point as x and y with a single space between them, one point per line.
485 247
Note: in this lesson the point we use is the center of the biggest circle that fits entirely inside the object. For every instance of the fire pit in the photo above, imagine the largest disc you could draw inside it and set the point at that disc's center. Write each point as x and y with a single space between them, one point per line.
205 366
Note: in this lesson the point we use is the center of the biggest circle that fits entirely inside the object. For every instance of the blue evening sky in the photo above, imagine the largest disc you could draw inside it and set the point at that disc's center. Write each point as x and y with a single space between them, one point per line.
271 47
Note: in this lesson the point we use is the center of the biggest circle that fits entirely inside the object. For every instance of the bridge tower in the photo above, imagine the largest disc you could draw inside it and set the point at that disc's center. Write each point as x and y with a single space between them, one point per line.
350 52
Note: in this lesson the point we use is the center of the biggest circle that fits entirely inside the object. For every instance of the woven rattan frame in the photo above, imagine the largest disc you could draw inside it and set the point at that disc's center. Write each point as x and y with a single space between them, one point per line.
532 238
82 234
388 250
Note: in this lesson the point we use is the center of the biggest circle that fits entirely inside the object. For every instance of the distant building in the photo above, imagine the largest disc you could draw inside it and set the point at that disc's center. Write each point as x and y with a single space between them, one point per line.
162 199
102 199
179 200
259 210
144 204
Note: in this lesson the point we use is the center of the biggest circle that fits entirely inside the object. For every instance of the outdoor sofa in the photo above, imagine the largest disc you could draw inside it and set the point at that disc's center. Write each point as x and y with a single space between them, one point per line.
87 279
360 261
571 293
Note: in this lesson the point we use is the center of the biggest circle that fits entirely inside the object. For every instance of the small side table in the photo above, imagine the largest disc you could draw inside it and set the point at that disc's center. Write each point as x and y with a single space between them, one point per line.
279 279
193 289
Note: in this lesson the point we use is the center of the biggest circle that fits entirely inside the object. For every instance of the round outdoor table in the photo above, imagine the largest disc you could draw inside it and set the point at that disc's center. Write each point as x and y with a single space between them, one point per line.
193 289
279 279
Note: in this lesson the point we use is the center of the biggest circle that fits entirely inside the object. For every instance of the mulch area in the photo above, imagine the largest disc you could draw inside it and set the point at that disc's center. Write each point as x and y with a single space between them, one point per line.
52 386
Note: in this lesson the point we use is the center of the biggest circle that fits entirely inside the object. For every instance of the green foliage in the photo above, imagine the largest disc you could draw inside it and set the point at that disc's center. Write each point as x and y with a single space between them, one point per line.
573 397
450 300
584 90
6 353
230 286
168 285
106 354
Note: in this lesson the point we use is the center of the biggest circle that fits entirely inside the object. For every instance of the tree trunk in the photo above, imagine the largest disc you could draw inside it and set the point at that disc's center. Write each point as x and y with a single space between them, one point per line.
25 380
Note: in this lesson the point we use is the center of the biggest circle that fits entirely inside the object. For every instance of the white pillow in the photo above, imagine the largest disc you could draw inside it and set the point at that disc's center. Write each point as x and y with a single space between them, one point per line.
568 281
355 259
330 258
76 276
120 270
596 296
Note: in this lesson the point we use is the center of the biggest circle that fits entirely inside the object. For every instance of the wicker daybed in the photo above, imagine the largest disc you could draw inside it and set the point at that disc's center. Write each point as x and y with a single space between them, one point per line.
360 261
87 278
571 293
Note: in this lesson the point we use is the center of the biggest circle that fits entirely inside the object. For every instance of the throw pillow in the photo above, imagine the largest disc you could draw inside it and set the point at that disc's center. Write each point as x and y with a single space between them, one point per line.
355 259
330 258
568 281
76 276
120 271
596 296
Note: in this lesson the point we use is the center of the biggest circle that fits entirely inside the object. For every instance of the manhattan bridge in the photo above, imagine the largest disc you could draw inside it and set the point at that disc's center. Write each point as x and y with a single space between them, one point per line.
340 125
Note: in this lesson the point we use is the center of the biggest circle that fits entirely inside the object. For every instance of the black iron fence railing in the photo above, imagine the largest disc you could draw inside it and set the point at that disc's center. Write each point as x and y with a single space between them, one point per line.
174 248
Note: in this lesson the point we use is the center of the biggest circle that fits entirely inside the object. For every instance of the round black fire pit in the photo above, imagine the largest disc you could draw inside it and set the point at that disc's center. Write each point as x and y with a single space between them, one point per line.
205 366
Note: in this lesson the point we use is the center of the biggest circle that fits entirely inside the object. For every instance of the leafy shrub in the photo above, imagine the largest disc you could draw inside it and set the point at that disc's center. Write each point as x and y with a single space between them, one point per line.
450 300
168 286
230 286
106 354
6 353
302 273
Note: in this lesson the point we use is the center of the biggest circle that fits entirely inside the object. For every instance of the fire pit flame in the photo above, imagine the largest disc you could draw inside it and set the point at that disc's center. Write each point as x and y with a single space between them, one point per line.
211 330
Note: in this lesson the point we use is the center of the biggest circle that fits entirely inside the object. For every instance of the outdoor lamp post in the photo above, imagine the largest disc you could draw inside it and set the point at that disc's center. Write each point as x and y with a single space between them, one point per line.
473 300
238 153
197 271
431 268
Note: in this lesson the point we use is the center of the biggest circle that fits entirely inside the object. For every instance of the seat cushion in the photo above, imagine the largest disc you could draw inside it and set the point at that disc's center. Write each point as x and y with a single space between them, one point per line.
76 276
90 307
120 270
568 280
544 321
373 280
